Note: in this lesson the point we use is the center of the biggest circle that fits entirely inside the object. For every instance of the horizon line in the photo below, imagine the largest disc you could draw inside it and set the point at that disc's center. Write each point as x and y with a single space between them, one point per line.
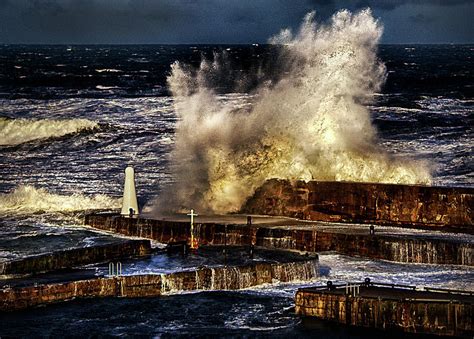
206 44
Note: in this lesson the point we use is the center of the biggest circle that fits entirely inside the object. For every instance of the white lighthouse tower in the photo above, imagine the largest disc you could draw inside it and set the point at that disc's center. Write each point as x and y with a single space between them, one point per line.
129 204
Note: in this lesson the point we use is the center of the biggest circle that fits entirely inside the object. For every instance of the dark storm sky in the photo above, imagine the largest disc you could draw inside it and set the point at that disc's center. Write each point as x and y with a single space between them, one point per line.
219 21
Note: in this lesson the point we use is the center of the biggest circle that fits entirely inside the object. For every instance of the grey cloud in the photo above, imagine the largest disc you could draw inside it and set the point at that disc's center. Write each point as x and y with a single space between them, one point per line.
197 21
393 4
48 7
421 18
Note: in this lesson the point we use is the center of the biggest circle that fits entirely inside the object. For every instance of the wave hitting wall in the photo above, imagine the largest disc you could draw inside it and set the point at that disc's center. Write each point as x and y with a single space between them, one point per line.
312 123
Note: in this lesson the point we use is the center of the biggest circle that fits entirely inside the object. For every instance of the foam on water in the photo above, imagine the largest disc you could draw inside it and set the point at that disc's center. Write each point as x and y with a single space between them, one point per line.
18 131
26 199
342 268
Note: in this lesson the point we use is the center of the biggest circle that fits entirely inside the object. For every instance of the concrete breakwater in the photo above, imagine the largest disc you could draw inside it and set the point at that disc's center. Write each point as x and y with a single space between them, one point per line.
443 208
406 249
168 231
303 268
302 237
76 256
443 312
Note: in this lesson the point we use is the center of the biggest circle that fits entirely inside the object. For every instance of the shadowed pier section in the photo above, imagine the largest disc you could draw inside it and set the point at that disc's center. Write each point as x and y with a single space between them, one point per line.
415 206
395 308
395 244
76 256
270 267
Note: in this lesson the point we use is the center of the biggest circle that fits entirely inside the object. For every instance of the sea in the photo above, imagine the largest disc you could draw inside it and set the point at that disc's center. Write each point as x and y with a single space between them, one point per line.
72 117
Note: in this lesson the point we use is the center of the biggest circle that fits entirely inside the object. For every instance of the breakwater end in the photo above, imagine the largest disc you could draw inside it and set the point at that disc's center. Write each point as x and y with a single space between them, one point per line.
390 307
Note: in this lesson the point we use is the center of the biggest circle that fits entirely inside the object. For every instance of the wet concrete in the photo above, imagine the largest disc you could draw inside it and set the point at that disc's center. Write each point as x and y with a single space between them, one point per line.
441 312
395 244
69 258
242 271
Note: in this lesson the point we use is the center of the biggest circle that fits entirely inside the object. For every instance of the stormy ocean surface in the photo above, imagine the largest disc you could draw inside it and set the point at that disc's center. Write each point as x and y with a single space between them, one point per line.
73 117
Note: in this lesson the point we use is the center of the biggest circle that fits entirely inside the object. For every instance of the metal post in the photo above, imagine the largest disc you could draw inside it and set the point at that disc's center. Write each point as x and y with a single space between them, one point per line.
194 244
119 268
249 223
225 244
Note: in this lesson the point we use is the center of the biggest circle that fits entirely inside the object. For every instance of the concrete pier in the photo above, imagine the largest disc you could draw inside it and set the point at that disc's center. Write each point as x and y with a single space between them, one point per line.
290 234
394 308
273 266
415 206
73 257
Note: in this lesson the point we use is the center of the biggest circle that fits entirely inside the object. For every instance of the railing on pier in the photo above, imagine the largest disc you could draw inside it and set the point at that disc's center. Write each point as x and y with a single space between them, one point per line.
115 269
353 288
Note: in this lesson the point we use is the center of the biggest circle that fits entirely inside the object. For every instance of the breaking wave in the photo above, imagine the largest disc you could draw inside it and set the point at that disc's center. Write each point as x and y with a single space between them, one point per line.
311 123
27 199
18 131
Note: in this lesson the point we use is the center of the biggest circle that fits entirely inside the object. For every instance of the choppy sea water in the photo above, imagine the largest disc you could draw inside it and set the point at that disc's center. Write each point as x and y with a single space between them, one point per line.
72 118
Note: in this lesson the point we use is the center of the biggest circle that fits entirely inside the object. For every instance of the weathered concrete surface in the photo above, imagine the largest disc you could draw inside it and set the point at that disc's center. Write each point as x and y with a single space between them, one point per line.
442 208
217 278
413 249
391 309
409 249
76 256
166 231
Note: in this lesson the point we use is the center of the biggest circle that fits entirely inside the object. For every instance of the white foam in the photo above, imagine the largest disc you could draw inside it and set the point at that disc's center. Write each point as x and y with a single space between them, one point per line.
311 124
26 199
18 131
108 70
106 87
346 269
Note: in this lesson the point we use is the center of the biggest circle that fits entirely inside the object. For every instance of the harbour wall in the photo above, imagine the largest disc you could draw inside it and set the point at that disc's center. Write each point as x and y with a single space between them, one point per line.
74 257
429 207
394 248
391 309
203 278
408 249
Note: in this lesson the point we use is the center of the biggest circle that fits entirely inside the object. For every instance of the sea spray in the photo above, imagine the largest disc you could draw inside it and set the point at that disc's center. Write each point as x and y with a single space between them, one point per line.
310 123
18 131
26 199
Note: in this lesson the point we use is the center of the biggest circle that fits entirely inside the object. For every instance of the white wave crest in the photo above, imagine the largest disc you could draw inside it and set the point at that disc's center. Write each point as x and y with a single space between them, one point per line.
26 199
18 131
311 124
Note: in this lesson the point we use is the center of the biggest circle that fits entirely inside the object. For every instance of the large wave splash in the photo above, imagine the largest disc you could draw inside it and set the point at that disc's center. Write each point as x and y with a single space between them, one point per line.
18 131
26 199
310 124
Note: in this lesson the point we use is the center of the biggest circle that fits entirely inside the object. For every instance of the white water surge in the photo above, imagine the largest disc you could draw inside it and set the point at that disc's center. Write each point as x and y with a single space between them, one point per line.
310 124
18 131
27 199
